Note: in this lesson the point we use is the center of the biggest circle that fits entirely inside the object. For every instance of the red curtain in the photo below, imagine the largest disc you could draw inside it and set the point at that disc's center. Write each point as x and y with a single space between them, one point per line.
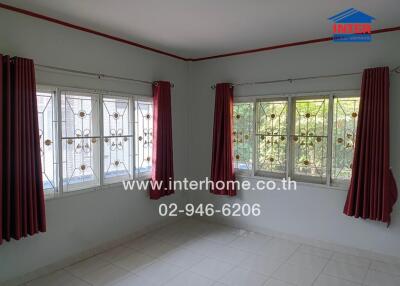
373 191
163 167
222 154
22 207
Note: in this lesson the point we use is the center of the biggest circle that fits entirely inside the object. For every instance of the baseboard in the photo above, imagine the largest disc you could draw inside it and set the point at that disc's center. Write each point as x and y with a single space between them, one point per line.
83 255
307 241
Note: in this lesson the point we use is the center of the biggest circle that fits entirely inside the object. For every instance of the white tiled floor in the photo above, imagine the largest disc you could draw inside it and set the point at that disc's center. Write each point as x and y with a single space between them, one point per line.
195 253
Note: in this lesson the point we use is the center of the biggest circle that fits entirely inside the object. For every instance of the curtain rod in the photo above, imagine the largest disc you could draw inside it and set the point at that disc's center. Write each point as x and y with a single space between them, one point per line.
98 75
291 80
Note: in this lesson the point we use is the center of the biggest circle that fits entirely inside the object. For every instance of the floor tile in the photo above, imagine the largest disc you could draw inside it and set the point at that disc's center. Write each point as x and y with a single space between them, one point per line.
351 259
325 253
261 264
105 275
346 271
188 278
221 236
212 268
203 246
229 254
251 242
375 278
315 262
59 278
135 261
133 280
87 266
296 274
326 280
182 257
274 282
116 253
243 277
160 272
386 267
197 253
158 249
278 249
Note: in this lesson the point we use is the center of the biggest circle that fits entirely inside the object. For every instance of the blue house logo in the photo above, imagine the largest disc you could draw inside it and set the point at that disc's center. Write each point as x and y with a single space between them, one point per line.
351 25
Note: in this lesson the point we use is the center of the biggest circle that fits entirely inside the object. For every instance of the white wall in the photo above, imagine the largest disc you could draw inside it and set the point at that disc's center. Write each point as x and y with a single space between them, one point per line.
310 212
81 222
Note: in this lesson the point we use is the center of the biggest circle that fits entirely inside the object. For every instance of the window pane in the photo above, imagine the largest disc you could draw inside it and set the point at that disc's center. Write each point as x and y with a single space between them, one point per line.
144 137
345 117
271 136
47 127
310 137
80 141
118 153
242 135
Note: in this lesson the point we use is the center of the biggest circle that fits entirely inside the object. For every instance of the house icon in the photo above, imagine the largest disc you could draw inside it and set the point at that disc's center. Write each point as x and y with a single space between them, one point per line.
352 16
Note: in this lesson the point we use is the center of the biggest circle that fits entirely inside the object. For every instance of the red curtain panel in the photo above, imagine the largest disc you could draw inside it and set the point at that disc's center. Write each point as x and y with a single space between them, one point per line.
222 171
373 190
163 167
22 206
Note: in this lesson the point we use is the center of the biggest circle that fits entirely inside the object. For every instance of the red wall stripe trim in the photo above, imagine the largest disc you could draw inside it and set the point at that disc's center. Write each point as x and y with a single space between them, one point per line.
128 42
87 30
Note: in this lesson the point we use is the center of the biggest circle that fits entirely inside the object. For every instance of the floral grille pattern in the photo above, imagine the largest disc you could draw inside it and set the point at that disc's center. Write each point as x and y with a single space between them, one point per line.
271 136
310 137
345 115
80 140
143 137
117 141
242 135
47 124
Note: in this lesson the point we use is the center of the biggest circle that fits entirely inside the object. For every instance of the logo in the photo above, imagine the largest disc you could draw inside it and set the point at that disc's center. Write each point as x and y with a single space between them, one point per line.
351 25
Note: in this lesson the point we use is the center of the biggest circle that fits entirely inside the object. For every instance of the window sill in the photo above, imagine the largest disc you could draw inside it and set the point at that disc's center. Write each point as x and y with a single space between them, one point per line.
299 183
105 187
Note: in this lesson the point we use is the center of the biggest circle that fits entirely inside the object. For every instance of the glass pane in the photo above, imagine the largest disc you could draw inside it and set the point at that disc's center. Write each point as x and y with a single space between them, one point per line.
47 127
80 143
271 136
143 137
118 145
310 137
345 115
242 135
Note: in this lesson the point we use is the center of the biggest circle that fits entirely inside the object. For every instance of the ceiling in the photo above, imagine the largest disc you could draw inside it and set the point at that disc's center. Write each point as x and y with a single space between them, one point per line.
201 28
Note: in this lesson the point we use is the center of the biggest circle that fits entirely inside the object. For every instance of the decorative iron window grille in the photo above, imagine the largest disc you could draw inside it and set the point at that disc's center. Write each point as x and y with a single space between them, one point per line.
307 137
89 139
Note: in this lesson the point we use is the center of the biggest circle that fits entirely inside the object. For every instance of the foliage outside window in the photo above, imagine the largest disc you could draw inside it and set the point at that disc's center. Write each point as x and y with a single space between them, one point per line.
242 136
321 130
271 136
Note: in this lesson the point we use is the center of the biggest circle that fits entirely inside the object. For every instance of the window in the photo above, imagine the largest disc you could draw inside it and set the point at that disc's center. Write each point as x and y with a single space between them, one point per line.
144 136
271 136
97 138
47 135
309 137
80 140
345 115
242 136
118 138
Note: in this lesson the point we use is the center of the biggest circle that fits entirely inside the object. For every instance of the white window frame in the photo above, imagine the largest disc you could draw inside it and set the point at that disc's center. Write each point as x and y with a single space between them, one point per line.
291 99
82 187
145 175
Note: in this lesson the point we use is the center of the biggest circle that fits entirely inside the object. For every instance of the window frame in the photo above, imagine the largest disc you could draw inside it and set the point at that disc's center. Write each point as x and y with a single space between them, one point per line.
291 98
262 173
145 175
242 172
80 188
